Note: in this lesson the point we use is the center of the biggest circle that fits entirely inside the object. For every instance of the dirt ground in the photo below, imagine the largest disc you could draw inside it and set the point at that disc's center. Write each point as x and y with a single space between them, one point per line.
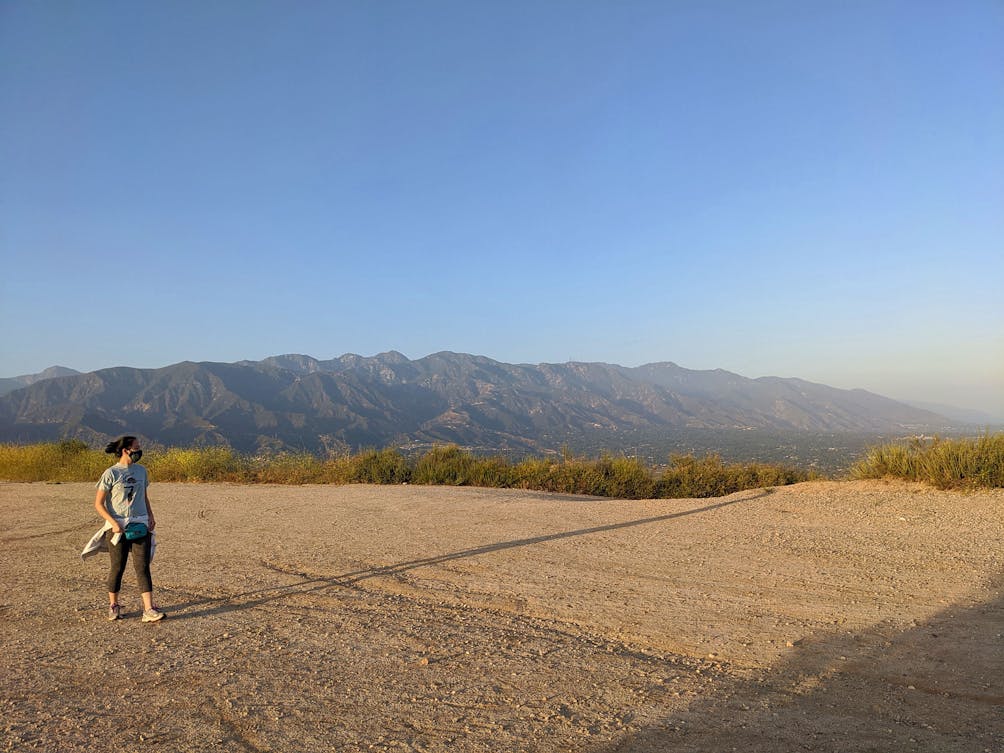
826 616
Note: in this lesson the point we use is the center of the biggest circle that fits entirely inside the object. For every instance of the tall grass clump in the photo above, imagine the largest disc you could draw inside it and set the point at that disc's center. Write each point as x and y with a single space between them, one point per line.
942 463
621 477
198 464
607 476
67 460
451 466
446 466
492 472
688 476
387 466
287 468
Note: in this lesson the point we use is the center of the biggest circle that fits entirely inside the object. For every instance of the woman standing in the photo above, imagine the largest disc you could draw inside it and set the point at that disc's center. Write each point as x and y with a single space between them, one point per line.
129 523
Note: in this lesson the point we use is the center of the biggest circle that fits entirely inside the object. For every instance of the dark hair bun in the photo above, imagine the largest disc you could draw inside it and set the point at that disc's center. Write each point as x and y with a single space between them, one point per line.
116 447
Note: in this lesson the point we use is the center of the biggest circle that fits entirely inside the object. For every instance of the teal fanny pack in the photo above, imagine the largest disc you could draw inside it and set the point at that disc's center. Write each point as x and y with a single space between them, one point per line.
135 531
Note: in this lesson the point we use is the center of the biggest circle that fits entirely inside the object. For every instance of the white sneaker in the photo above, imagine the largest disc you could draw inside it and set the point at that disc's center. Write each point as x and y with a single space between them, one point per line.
152 615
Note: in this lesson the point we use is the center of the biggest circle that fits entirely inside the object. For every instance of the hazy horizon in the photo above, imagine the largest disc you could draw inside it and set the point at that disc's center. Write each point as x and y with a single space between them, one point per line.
774 189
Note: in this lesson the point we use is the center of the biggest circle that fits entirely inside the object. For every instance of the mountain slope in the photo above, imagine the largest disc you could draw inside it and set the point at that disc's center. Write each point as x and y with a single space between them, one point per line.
296 401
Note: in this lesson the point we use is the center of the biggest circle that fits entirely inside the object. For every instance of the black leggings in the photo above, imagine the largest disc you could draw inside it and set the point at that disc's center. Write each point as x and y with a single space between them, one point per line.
140 549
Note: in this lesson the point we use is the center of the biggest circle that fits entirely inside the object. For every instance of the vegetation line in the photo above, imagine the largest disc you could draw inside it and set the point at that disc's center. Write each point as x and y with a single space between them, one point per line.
946 464
606 476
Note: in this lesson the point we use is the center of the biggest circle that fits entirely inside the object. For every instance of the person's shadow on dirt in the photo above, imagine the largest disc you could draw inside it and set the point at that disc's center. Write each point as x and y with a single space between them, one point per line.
935 687
307 584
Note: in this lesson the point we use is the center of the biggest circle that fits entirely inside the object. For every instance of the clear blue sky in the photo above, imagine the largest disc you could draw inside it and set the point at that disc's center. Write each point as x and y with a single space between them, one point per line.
811 189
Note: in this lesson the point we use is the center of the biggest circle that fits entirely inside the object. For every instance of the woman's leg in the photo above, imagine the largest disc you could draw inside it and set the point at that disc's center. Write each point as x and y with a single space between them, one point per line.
119 555
141 563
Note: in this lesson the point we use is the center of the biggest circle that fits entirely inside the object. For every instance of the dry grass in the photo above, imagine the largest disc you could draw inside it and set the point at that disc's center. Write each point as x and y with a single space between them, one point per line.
944 464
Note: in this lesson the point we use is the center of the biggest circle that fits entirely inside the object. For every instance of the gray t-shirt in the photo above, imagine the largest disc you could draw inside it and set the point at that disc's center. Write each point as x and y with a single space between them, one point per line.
127 484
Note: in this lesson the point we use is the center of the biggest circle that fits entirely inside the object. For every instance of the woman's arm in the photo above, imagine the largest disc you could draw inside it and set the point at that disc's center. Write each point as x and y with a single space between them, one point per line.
99 505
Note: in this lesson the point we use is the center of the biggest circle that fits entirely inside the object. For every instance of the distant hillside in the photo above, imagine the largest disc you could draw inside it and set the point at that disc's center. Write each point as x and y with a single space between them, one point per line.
9 384
962 415
296 401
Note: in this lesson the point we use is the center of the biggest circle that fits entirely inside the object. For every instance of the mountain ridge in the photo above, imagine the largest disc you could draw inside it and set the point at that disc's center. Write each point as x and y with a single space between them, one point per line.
296 401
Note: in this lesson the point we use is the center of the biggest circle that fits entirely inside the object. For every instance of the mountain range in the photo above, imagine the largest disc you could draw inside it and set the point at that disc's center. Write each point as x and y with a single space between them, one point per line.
352 402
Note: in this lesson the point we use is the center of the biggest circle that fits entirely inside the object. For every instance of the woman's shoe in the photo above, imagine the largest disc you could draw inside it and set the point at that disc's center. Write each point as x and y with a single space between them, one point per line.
152 615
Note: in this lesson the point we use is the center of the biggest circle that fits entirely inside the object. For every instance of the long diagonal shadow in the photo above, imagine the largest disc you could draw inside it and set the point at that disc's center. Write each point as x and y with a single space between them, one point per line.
310 585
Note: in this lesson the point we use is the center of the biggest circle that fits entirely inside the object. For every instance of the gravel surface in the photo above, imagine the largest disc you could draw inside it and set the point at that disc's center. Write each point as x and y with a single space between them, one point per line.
825 616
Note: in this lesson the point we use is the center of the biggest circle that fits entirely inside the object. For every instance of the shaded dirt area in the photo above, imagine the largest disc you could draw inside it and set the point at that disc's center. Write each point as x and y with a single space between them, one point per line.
857 616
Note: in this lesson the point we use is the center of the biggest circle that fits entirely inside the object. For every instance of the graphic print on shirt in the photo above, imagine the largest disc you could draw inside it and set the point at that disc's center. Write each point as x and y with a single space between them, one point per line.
129 487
